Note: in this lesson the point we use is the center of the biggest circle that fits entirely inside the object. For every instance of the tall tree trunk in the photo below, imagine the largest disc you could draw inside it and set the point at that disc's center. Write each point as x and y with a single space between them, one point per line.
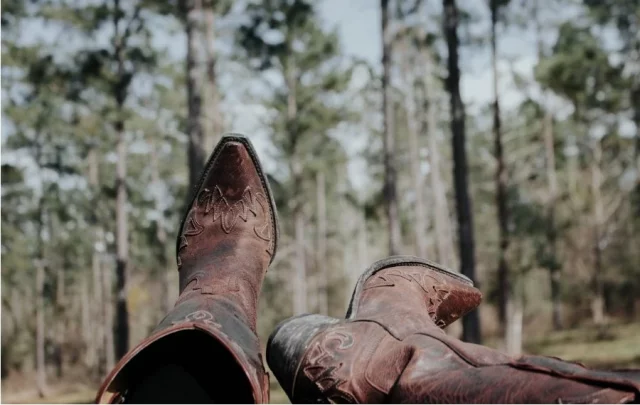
350 269
300 280
96 346
634 225
107 315
41 374
501 184
213 112
471 323
513 332
295 168
552 182
195 152
363 248
161 235
635 101
86 327
122 234
300 284
444 237
321 254
632 241
98 321
122 253
597 306
572 171
60 321
420 224
390 171
122 315
29 310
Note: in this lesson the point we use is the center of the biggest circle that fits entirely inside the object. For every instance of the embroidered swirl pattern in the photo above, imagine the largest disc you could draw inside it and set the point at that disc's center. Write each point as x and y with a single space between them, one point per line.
214 203
434 289
199 316
322 365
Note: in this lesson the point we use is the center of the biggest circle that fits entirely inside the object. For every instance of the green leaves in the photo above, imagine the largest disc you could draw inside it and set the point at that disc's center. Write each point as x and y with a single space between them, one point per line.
285 36
87 18
579 69
624 15
11 175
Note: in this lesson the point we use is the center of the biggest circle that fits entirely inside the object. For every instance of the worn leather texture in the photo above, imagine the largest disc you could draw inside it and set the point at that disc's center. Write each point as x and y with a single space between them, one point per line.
226 242
391 348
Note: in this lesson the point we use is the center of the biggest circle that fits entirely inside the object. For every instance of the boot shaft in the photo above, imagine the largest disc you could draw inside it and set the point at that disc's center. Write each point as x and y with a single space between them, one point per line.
228 236
318 359
203 336
226 241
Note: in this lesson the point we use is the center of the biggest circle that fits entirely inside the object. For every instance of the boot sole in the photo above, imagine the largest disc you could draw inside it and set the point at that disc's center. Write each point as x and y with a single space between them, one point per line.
226 138
395 261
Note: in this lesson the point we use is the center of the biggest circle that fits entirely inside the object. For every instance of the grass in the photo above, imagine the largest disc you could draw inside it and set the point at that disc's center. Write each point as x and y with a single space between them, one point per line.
82 396
614 346
277 395
76 394
86 395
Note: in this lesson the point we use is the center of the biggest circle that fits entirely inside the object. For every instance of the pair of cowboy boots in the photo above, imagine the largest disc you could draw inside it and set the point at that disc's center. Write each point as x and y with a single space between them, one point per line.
389 348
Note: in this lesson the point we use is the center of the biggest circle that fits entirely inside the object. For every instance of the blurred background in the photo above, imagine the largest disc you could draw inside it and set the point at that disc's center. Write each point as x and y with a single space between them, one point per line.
498 138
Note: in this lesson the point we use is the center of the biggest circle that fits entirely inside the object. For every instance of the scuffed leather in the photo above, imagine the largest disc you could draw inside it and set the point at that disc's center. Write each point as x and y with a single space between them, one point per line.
228 236
226 241
392 349
446 370
343 352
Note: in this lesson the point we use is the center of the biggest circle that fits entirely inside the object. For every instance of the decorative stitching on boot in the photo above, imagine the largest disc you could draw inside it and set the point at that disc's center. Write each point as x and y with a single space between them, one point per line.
227 213
199 316
230 213
429 284
321 367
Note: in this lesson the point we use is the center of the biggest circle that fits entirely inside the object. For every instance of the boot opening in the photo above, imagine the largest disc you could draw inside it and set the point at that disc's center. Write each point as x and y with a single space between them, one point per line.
187 366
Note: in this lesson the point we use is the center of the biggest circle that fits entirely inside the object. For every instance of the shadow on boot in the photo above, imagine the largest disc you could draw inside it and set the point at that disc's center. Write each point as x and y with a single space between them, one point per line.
391 349
206 349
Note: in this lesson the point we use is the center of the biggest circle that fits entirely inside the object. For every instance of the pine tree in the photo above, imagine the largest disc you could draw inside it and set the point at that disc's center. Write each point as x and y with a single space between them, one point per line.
591 89
466 245
390 177
310 79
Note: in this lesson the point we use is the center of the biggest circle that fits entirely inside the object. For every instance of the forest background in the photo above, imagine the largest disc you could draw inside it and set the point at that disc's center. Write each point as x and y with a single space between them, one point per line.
499 138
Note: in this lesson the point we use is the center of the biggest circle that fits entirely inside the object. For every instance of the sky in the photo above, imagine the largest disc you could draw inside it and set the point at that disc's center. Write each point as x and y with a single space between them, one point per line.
358 25
358 22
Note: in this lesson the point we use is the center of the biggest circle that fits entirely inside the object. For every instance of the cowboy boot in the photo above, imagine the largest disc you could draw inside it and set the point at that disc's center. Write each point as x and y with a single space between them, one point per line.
391 348
206 348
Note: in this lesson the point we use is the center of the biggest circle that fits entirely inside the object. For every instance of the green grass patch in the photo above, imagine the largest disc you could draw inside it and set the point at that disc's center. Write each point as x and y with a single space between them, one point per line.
611 346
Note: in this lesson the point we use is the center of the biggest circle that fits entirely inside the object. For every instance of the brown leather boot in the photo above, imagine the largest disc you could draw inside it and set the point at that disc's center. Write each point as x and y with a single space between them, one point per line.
391 348
226 241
